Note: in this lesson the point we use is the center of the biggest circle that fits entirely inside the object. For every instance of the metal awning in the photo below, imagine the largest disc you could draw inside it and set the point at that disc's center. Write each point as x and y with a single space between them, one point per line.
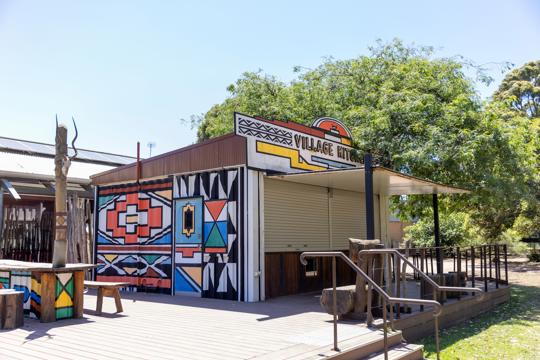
385 181
34 175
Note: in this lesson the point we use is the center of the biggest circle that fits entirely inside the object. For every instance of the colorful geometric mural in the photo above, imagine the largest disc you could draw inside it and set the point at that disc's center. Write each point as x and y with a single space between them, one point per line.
35 296
30 284
215 226
64 296
219 191
292 147
22 281
134 237
26 282
188 240
4 280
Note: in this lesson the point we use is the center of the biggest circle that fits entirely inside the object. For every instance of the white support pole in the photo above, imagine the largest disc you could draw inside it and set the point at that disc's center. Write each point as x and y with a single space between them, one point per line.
254 236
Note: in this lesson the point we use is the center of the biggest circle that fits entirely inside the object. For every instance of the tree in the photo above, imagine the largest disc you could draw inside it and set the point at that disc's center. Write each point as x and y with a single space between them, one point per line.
455 229
415 113
521 89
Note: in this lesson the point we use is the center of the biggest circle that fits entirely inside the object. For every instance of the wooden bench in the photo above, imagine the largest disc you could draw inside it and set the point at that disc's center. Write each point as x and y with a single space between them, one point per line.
107 289
11 309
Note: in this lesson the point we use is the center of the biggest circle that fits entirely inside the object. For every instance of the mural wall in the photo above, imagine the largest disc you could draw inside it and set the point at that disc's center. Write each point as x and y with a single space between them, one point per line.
134 242
30 284
140 227
219 249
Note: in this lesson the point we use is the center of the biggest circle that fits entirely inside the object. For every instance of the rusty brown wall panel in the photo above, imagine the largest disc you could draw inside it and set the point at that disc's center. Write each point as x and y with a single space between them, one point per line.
227 150
285 275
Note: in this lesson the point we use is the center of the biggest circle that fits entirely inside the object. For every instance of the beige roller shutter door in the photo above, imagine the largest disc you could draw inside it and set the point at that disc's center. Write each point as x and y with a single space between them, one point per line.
348 217
295 216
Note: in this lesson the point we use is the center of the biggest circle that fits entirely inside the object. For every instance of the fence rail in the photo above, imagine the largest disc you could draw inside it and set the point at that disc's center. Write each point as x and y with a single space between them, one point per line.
480 264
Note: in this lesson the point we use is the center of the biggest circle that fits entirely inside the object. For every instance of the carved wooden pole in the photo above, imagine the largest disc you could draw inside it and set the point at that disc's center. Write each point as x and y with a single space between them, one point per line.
61 166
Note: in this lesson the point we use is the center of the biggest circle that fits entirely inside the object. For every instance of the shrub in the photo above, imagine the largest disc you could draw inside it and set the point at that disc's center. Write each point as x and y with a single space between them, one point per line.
455 229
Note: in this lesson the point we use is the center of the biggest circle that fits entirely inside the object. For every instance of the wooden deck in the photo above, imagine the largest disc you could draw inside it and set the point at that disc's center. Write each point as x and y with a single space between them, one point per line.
166 327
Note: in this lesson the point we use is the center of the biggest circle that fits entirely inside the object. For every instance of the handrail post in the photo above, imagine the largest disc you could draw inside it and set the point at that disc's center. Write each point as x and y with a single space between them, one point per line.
473 272
437 344
466 264
397 264
385 326
371 273
497 266
458 269
505 247
334 305
485 270
490 262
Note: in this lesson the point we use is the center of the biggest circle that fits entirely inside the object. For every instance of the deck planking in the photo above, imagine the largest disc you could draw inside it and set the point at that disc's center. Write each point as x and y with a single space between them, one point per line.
165 327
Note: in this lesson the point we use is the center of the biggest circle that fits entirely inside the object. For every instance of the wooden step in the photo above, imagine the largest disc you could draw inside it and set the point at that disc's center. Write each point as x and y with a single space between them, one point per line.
400 352
357 347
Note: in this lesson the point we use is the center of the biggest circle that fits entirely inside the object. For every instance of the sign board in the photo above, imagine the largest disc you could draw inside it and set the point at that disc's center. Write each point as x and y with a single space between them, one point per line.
291 147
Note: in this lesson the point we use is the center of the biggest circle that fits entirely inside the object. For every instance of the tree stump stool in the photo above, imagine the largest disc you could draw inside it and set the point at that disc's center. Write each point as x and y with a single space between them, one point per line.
426 290
11 309
456 279
345 296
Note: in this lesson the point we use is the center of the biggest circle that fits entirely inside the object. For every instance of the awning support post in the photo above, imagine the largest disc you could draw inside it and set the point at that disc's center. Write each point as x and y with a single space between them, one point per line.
1 219
370 212
436 233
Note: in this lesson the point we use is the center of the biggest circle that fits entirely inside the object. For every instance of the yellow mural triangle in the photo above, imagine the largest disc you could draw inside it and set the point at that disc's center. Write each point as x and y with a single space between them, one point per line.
195 273
167 194
130 270
63 300
110 257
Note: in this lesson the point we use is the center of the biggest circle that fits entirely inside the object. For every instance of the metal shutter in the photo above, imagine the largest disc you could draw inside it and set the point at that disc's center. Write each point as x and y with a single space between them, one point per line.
295 216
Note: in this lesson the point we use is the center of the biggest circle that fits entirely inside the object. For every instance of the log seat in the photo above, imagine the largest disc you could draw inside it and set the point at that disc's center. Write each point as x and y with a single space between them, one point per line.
11 309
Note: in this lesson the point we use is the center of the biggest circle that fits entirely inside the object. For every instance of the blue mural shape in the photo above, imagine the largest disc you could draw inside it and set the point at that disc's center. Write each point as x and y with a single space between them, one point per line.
188 221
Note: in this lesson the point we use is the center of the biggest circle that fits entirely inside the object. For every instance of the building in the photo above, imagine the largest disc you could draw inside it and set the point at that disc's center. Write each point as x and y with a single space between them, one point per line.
227 218
27 201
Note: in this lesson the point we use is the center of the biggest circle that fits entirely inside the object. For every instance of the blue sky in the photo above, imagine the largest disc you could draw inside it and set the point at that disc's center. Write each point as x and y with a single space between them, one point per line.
131 70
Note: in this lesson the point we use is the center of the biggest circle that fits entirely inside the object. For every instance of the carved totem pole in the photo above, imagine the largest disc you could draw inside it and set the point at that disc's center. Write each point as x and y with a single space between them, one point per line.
61 166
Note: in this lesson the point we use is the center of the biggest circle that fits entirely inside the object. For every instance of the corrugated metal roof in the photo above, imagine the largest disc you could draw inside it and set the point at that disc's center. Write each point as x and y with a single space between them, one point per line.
217 153
33 148
385 181
12 165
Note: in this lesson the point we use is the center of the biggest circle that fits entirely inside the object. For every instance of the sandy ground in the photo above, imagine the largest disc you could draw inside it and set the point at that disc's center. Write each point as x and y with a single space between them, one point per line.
523 272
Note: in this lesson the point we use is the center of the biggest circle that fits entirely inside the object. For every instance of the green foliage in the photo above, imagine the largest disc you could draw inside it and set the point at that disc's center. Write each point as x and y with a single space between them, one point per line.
534 257
521 89
455 229
417 114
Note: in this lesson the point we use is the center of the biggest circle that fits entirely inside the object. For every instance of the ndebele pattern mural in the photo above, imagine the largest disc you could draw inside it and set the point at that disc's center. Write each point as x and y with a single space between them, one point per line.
176 235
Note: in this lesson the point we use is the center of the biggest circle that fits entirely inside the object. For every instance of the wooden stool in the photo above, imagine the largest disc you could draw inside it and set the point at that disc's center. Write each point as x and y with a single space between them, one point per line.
107 289
11 309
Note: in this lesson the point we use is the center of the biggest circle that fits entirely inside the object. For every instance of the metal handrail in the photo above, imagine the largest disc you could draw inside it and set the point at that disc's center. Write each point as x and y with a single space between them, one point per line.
422 274
437 307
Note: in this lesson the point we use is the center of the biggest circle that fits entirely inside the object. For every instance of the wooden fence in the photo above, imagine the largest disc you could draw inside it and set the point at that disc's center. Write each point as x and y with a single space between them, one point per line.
28 231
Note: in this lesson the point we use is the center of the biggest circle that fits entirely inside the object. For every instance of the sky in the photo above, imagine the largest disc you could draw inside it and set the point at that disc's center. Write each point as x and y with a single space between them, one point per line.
131 71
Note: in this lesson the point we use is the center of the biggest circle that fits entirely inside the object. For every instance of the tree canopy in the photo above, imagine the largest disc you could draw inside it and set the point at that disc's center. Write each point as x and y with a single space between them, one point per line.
521 88
417 114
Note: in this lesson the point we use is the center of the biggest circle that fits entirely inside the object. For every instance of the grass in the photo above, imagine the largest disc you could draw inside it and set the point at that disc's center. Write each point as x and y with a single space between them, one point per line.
511 331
